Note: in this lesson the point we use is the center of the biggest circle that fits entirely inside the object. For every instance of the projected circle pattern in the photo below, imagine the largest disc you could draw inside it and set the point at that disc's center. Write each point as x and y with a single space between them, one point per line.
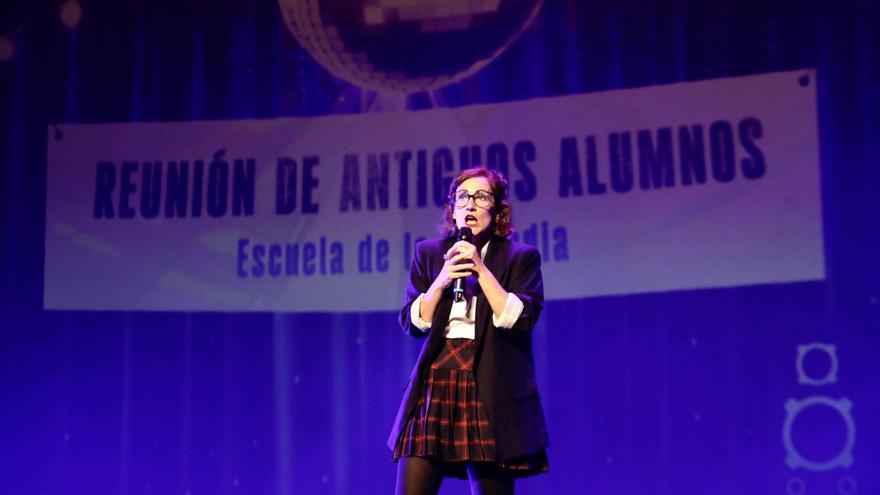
406 45
795 486
847 486
804 378
793 408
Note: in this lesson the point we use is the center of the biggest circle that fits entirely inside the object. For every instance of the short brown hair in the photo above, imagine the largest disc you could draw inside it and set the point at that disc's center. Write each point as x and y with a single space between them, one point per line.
502 213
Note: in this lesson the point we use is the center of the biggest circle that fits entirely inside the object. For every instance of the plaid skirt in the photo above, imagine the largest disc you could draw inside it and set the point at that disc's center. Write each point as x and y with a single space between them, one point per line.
450 423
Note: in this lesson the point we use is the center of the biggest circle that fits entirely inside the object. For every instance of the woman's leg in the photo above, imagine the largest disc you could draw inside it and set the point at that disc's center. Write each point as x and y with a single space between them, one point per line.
488 479
417 476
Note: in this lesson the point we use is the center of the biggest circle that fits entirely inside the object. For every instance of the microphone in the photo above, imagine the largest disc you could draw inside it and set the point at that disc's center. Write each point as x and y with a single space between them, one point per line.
464 234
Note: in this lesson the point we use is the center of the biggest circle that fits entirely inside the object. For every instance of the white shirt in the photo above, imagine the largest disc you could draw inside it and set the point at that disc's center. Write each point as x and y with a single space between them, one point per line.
462 316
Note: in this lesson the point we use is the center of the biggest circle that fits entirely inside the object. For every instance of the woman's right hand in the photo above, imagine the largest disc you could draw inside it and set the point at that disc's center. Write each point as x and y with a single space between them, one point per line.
452 270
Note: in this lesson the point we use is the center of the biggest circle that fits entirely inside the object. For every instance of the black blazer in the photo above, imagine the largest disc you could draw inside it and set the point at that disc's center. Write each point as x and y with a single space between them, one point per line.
503 363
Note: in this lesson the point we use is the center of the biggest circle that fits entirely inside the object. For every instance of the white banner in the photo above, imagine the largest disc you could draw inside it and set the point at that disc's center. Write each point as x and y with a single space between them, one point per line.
690 185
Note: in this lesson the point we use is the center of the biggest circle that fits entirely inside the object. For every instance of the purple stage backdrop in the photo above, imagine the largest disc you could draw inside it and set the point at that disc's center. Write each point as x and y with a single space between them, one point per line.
758 388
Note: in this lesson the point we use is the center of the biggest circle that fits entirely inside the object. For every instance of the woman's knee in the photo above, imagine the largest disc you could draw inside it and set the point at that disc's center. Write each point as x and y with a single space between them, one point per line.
418 476
489 479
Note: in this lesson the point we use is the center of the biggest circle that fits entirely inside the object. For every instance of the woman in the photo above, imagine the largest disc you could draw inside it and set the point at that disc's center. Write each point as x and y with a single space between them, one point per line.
471 407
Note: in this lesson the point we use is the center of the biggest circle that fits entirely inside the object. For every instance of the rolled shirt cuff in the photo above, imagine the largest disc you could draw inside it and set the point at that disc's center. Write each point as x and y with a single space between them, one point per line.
512 309
416 317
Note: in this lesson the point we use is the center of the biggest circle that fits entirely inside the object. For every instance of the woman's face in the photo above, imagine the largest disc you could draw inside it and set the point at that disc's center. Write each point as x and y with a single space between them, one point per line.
478 218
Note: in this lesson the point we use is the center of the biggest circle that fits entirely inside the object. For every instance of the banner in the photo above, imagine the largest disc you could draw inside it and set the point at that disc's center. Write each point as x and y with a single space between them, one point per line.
691 185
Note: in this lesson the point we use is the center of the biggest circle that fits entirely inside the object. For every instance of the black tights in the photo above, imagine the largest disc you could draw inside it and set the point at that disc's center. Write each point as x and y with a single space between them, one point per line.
420 476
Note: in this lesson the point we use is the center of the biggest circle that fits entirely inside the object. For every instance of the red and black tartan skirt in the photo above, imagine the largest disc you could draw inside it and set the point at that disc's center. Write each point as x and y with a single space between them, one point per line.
450 423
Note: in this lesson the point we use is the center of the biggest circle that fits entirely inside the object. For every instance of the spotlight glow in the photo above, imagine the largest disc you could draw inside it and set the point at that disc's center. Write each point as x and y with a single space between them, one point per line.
71 14
7 49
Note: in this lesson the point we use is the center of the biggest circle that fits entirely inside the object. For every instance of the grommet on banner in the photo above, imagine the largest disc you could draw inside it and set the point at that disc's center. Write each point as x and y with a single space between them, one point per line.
804 80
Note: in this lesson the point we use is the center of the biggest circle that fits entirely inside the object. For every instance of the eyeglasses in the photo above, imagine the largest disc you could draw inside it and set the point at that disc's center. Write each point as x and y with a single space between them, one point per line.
482 199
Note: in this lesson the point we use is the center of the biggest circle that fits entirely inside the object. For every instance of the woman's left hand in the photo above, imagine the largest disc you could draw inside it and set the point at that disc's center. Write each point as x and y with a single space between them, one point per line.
469 253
